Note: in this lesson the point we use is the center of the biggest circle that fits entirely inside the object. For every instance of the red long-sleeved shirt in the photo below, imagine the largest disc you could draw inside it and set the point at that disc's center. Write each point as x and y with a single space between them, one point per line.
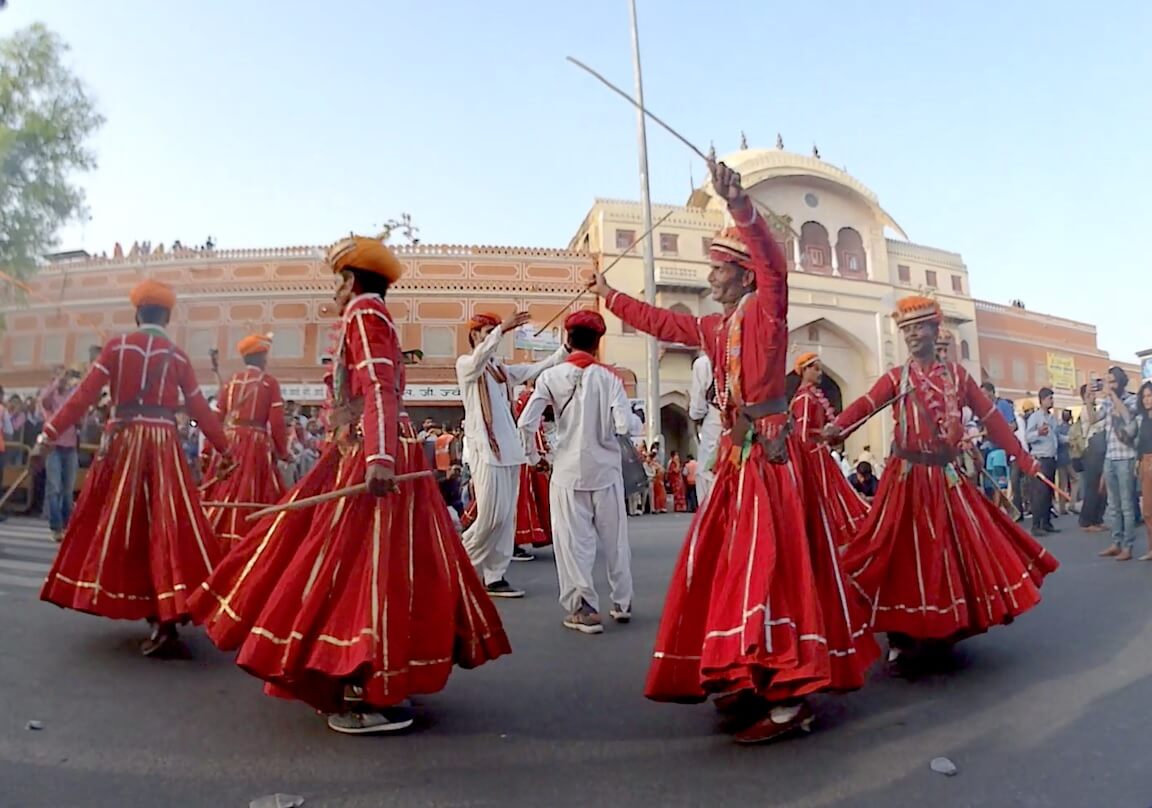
764 340
254 396
375 365
927 422
143 359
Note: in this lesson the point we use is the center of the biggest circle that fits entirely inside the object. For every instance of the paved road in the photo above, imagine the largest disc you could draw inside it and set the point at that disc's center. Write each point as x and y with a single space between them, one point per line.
1053 711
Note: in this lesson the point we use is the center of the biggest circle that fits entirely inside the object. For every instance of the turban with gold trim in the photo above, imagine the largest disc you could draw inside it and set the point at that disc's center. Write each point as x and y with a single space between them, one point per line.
917 309
806 360
366 255
483 320
254 344
585 318
729 248
152 293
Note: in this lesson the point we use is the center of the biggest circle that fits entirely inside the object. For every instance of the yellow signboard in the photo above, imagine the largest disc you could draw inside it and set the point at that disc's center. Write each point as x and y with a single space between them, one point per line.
1061 371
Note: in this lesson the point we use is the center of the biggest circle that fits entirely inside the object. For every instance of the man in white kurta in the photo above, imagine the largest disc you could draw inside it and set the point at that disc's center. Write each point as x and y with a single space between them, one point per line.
587 488
702 409
495 452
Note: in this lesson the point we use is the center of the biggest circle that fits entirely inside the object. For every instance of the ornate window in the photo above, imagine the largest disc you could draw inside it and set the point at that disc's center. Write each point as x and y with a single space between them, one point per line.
816 248
930 278
850 255
624 239
904 273
965 351
669 244
438 341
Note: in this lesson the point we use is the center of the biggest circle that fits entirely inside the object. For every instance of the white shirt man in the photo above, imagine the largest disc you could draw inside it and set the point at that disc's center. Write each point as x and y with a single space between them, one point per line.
495 452
587 489
702 408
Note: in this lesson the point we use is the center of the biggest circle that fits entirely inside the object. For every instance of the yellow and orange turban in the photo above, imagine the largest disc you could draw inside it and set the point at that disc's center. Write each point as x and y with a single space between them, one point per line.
586 318
483 320
254 344
152 293
367 255
806 360
729 248
917 309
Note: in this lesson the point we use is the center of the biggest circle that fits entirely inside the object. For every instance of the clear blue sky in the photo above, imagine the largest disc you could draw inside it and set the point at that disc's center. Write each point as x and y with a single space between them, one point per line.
1013 133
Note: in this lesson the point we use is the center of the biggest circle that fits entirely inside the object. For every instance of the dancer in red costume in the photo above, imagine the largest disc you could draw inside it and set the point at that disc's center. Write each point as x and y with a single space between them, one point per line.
138 543
357 603
757 610
533 526
254 419
832 504
936 559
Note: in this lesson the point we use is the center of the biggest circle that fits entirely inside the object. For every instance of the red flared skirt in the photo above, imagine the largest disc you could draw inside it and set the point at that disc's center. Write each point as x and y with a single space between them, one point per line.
255 479
755 602
659 494
540 483
137 544
937 560
373 592
831 505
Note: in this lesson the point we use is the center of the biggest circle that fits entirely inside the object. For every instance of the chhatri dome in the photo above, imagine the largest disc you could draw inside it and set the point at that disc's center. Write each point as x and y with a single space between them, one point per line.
759 165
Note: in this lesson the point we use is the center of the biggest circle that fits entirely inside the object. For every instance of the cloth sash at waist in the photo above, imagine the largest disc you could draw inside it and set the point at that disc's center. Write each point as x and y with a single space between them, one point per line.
940 459
126 413
248 423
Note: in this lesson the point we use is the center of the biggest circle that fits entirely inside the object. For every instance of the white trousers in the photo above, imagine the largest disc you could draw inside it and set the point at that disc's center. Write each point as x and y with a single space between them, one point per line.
582 522
709 440
491 538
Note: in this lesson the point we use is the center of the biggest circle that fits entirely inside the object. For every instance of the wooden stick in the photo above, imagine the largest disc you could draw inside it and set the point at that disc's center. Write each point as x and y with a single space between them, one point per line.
1057 490
1000 495
854 426
19 482
604 271
662 124
350 491
240 505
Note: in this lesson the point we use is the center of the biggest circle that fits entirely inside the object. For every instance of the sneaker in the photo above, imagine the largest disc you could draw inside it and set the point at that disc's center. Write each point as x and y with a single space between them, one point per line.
621 614
57 536
503 589
392 719
520 554
585 621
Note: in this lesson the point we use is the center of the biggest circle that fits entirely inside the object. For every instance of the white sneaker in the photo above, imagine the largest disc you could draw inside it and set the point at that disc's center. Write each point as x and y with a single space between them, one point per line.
391 720
621 614
584 621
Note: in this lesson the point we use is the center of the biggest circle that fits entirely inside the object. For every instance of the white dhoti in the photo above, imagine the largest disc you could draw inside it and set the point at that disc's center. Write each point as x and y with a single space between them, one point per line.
491 538
709 440
582 523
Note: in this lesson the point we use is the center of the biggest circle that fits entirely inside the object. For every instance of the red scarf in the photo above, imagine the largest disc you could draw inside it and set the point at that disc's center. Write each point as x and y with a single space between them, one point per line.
582 359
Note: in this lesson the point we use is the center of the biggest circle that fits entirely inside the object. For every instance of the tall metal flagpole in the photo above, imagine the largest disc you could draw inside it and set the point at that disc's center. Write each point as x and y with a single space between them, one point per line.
652 400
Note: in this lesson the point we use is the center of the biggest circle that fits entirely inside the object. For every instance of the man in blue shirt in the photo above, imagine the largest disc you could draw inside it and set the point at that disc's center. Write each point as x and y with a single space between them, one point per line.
1044 438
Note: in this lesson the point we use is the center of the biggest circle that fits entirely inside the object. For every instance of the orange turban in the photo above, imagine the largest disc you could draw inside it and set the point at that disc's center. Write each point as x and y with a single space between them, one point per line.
917 309
586 318
804 360
728 248
152 293
367 255
254 344
483 320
